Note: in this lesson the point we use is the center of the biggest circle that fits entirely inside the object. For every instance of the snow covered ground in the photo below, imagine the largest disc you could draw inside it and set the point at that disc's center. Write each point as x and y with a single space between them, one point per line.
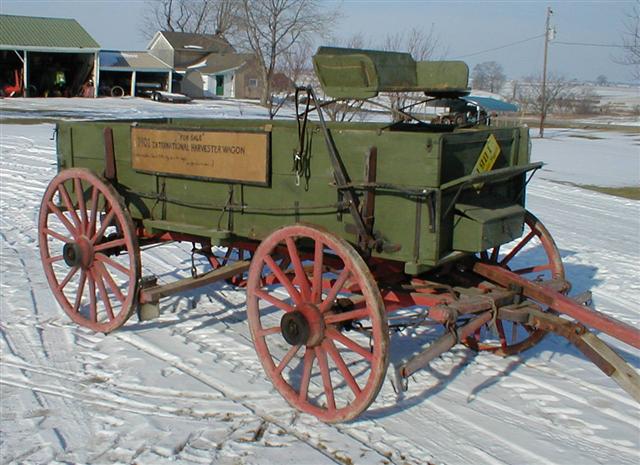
188 388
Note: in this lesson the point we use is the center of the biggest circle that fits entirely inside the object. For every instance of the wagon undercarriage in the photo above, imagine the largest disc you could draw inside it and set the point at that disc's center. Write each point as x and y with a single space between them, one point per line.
319 314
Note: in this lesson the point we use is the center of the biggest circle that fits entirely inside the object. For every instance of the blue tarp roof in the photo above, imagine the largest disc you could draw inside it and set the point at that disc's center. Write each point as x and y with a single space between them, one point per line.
491 104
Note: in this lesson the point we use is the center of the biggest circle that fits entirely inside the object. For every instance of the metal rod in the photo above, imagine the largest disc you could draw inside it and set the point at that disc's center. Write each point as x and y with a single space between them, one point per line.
341 177
443 344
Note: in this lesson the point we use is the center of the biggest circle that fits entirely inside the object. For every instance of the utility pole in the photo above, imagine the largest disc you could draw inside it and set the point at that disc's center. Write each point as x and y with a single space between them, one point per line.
547 33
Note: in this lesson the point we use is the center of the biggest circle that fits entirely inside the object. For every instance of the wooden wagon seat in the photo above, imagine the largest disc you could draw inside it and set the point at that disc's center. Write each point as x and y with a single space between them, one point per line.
360 74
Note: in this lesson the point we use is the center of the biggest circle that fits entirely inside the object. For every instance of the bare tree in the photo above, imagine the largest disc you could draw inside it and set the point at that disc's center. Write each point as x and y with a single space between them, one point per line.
271 27
558 92
488 76
295 63
602 80
631 40
194 16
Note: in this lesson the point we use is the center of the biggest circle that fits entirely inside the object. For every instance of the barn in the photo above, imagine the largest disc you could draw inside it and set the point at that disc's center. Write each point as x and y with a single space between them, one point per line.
46 57
132 73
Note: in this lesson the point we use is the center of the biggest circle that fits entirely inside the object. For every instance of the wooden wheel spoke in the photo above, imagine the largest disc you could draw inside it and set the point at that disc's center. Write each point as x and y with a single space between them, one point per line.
54 259
494 254
349 344
106 300
110 282
335 290
67 224
273 300
517 248
501 336
282 278
93 305
109 261
321 355
350 315
83 280
81 204
109 245
269 331
318 254
307 366
57 235
91 228
69 206
333 352
301 275
287 358
533 269
103 226
72 272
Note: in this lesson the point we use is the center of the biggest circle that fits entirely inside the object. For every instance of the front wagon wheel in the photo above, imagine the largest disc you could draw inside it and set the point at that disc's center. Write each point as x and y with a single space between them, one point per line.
318 322
89 250
534 256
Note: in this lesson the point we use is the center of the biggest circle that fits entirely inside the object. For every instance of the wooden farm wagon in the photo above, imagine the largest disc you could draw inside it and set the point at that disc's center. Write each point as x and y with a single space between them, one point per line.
340 232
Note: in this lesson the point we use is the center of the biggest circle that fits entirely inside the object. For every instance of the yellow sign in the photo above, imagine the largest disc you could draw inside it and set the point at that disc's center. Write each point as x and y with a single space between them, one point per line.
227 156
488 156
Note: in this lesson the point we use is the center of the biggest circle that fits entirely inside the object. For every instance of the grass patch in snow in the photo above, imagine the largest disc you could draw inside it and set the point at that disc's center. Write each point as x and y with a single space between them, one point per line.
586 136
628 192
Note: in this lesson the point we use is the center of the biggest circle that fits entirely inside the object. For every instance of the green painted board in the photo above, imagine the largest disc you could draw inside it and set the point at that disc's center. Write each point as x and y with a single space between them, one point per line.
421 228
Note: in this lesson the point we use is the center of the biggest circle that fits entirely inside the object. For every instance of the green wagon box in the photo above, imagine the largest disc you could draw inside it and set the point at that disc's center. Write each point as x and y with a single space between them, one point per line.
338 231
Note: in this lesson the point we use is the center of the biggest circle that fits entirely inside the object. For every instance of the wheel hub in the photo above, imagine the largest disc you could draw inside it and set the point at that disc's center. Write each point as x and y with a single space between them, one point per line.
295 328
78 253
304 325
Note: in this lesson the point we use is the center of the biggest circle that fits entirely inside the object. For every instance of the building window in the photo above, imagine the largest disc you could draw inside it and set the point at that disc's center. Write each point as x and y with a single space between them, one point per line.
253 83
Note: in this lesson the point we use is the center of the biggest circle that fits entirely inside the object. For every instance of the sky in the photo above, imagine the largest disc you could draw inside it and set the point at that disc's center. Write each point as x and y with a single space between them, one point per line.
466 29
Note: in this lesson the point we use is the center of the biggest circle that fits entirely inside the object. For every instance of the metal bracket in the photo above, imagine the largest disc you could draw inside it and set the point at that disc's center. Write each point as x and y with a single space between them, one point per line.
109 156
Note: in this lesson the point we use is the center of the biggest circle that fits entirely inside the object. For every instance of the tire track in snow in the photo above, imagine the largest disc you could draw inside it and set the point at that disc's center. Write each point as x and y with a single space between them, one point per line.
104 380
115 403
175 361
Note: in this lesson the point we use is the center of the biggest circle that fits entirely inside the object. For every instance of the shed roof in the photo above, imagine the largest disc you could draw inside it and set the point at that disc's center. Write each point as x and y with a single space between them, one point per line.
143 61
197 42
34 33
218 62
491 104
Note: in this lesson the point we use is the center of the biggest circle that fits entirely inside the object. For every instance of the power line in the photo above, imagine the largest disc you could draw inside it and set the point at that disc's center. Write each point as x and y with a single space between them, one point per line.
585 44
500 47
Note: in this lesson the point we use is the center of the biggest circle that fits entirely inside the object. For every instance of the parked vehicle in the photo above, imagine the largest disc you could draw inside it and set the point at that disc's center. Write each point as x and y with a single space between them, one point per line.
171 97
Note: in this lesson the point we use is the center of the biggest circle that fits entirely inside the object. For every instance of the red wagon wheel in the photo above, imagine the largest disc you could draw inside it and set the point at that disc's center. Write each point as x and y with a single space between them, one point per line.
89 250
318 322
534 256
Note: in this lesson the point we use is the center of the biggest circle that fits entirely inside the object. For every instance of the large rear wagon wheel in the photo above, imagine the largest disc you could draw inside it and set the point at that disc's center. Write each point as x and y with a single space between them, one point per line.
534 256
318 322
89 250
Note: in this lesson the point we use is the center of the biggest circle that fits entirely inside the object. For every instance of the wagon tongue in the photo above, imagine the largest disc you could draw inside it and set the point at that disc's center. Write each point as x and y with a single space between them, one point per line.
561 303
575 331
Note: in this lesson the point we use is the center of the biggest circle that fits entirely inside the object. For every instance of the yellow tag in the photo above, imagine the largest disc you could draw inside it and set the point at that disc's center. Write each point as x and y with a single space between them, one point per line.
486 160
